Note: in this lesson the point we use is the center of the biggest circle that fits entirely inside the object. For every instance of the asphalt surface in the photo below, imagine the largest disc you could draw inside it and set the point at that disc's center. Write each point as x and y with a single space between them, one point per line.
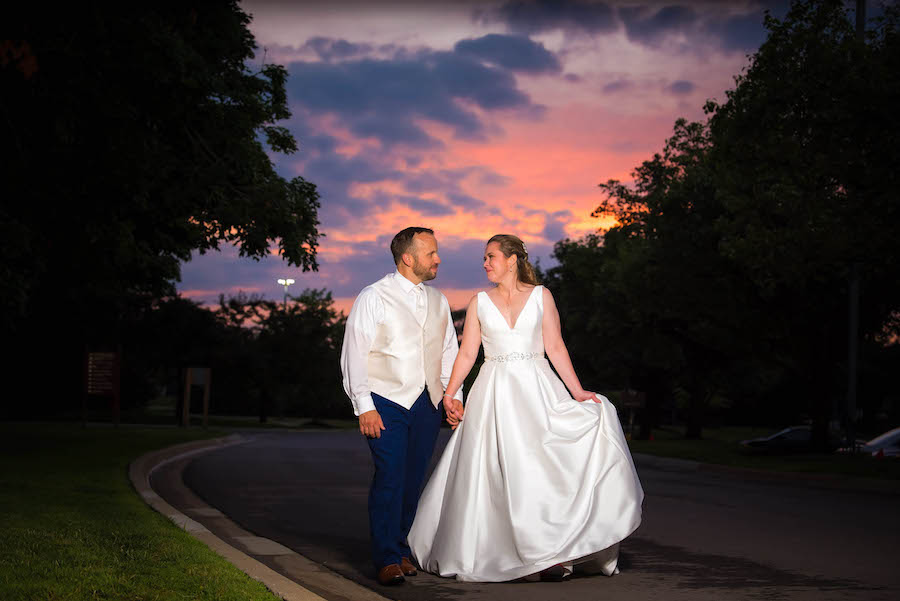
706 534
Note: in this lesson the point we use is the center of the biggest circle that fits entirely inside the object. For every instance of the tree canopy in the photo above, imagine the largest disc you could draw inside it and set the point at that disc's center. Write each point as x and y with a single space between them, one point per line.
134 137
725 279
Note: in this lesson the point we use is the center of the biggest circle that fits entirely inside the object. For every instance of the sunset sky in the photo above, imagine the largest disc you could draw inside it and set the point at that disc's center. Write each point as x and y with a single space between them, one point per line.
474 118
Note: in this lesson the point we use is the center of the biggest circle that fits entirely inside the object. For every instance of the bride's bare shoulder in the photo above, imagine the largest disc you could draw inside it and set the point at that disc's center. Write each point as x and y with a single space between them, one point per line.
473 302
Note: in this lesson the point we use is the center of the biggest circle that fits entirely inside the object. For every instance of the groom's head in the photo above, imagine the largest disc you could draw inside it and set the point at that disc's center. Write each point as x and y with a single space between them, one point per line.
415 253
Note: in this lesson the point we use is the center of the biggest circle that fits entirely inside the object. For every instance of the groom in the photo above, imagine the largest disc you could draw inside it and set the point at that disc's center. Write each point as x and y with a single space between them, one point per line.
398 351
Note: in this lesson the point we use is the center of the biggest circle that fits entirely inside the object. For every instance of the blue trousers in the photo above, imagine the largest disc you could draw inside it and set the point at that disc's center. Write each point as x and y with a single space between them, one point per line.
401 457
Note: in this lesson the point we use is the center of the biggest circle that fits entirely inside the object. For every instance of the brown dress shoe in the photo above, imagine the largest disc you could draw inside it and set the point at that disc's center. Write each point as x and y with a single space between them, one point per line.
391 574
407 566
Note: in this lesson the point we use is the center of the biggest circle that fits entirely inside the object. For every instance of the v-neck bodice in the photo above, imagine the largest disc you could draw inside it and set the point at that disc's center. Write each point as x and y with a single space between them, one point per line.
525 336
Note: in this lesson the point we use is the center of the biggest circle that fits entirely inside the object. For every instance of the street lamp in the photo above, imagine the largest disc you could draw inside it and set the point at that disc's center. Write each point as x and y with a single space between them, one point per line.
285 282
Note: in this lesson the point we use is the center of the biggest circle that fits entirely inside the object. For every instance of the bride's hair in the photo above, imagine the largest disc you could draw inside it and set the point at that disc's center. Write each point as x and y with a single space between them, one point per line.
513 245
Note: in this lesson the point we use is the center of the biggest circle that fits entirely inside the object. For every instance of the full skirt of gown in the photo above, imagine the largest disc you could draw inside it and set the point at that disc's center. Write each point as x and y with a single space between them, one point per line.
531 478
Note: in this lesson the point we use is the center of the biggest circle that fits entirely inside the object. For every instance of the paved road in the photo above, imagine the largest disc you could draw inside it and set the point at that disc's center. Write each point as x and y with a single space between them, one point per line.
705 535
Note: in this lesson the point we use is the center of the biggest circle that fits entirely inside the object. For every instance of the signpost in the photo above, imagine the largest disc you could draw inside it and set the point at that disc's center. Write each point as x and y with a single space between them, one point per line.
195 376
101 378
633 399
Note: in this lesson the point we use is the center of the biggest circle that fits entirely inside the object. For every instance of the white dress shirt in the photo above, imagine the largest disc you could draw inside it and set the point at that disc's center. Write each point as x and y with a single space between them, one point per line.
365 316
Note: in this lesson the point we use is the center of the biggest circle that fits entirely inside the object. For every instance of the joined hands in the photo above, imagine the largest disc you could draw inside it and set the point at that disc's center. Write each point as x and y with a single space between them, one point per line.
455 411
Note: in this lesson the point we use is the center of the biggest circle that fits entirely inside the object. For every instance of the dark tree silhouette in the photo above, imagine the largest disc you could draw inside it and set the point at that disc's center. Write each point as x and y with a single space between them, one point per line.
726 275
134 137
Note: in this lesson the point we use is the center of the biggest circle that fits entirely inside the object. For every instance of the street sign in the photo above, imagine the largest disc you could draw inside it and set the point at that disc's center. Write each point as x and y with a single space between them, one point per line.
101 378
101 373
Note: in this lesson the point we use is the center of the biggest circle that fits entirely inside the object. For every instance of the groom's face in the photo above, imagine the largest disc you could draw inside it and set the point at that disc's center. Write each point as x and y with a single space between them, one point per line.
425 257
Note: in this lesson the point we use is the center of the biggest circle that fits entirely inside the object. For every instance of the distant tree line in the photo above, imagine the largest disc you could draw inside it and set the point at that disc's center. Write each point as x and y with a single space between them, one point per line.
268 359
724 289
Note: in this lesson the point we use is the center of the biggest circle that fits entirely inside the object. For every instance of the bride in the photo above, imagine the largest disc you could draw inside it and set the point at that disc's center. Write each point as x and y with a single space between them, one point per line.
535 478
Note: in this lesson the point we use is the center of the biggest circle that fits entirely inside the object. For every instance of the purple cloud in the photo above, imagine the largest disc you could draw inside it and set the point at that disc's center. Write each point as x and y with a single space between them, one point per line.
681 87
513 52
648 24
618 85
329 49
650 27
384 99
547 15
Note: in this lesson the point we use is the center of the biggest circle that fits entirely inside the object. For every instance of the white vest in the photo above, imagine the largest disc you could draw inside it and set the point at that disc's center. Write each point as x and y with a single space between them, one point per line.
406 355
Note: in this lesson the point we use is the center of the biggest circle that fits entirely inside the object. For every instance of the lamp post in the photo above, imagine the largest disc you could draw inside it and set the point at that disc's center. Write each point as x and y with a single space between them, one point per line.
285 282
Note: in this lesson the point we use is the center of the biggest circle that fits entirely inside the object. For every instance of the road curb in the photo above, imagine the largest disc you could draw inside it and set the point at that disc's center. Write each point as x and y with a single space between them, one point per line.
140 470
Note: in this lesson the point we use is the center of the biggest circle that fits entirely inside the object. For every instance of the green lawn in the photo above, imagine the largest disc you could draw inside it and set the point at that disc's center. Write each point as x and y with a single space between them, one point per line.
720 446
72 527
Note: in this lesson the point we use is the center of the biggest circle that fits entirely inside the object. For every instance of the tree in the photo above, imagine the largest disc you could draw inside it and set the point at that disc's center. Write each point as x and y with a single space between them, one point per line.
805 170
302 347
287 361
679 330
265 358
599 284
732 248
134 137
175 333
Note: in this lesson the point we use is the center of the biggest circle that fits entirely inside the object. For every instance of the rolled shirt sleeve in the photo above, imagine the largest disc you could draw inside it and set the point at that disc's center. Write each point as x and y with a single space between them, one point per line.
362 324
451 349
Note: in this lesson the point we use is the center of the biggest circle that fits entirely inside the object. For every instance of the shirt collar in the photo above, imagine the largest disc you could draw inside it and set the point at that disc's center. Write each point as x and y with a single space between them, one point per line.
405 285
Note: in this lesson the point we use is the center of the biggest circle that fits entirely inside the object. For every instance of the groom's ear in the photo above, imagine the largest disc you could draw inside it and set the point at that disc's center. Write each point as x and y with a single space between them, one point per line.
407 259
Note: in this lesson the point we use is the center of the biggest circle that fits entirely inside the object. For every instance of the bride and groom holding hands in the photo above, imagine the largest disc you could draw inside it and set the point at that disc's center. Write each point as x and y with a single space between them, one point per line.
536 476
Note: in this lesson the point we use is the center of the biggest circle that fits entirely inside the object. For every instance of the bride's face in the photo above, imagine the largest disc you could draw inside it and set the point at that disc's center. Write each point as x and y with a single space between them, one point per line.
496 265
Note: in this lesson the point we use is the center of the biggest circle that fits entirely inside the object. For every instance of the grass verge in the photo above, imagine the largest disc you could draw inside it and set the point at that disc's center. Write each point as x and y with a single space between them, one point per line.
72 526
720 446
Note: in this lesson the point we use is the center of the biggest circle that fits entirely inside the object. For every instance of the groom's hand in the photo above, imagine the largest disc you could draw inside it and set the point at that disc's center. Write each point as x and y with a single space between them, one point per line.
454 423
370 424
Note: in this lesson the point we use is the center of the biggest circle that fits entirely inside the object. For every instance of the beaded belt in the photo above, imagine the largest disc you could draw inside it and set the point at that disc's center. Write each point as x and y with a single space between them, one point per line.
514 357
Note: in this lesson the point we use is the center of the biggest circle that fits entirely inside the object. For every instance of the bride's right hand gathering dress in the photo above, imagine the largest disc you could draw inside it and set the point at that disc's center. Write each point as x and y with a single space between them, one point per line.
531 478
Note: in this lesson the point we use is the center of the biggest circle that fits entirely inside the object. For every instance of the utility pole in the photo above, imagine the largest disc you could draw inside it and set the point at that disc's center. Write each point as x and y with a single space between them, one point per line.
852 351
853 292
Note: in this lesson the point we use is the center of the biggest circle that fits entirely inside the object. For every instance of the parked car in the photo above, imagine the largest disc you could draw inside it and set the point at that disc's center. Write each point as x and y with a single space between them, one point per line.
796 439
885 445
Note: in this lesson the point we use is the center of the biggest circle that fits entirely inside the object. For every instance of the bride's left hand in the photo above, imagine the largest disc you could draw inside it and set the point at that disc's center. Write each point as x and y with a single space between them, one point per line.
586 395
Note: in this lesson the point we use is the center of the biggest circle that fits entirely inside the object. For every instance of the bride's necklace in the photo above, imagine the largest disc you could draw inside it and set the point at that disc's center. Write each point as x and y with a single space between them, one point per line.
507 300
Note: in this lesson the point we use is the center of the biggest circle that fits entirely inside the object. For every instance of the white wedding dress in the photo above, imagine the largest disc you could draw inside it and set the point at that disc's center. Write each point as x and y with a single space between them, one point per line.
531 478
